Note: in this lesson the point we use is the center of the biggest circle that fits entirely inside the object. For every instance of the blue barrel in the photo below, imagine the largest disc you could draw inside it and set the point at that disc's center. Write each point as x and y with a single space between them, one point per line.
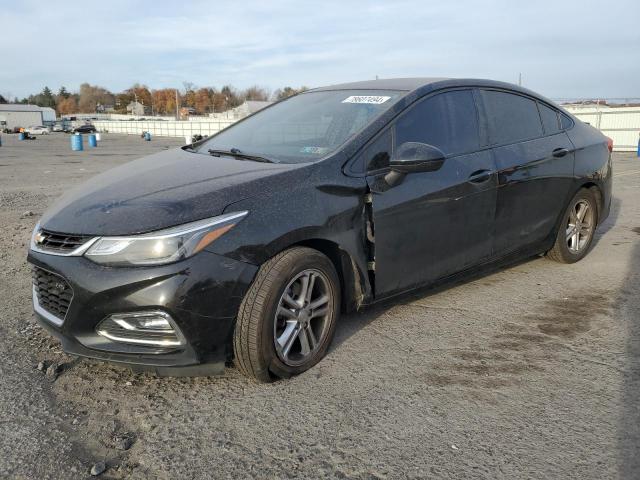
0 140
76 143
147 136
93 142
21 136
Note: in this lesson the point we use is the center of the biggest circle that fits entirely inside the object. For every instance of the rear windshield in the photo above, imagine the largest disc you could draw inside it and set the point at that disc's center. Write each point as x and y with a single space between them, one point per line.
305 127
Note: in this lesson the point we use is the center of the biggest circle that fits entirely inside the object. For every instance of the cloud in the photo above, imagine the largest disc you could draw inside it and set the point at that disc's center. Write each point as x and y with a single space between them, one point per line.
563 49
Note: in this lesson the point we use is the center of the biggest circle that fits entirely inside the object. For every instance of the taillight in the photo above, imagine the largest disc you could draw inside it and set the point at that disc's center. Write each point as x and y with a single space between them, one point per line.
610 144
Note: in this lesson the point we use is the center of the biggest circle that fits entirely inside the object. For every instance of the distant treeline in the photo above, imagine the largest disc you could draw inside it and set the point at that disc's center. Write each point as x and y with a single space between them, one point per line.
92 98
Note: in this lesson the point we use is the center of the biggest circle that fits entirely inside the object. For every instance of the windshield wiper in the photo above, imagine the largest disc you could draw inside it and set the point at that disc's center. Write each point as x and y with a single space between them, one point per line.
236 153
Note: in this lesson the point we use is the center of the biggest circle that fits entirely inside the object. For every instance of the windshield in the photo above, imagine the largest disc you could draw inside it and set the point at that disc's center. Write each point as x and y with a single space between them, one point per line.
305 127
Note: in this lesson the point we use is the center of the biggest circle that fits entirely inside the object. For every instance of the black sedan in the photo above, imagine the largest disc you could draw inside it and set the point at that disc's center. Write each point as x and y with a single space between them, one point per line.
249 244
85 129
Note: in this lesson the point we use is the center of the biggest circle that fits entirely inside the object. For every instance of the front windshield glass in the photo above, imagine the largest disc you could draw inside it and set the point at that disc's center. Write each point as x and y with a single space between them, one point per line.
305 127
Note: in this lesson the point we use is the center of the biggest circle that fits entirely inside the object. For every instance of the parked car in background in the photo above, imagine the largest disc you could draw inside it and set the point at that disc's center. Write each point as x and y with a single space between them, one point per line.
58 128
85 129
249 244
37 130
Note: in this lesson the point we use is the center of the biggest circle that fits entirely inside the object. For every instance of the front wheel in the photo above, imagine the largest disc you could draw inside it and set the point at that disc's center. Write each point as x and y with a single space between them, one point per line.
576 231
287 318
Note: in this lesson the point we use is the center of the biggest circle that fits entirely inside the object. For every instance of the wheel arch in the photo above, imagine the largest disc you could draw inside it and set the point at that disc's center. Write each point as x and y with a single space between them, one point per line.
597 192
352 281
586 185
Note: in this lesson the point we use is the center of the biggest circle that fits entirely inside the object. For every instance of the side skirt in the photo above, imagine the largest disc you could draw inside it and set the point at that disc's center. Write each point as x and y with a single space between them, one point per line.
491 265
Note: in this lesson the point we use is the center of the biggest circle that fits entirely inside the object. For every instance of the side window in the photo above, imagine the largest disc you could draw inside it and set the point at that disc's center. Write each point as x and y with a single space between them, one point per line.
448 121
511 117
549 119
565 121
378 153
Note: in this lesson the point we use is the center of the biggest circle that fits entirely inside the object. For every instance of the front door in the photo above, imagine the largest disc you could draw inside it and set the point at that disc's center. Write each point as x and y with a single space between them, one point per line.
434 224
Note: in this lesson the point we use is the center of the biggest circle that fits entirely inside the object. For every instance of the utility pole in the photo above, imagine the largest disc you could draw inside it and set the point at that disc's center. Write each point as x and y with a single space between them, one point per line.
520 79
177 115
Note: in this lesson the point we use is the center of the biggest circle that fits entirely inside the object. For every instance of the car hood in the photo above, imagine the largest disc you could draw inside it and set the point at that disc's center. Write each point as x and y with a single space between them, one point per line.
164 190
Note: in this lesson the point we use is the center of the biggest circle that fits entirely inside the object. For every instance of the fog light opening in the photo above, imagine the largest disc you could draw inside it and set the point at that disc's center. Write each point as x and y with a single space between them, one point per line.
152 328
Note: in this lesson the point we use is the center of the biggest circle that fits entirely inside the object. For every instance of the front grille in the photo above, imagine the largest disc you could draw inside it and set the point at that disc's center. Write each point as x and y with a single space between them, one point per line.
59 242
53 292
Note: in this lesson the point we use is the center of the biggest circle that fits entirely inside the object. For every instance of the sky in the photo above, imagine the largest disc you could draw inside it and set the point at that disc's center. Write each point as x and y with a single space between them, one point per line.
562 48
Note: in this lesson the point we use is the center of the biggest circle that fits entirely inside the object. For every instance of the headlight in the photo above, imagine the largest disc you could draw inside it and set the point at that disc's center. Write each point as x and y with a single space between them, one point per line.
163 246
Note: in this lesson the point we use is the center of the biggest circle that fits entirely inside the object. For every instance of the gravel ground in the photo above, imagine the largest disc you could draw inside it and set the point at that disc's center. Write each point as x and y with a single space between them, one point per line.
531 371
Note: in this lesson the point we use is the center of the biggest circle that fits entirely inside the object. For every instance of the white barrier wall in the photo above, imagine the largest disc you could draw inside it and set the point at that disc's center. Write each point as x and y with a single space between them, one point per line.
171 128
622 125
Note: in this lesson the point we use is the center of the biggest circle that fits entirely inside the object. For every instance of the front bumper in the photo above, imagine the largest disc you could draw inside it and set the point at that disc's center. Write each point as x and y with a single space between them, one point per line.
202 294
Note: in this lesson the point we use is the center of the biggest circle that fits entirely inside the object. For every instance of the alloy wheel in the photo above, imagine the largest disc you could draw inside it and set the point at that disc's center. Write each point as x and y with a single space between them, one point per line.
580 226
303 317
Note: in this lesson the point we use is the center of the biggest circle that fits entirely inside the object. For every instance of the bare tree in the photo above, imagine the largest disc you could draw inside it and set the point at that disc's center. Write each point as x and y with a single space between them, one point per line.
286 92
92 95
256 93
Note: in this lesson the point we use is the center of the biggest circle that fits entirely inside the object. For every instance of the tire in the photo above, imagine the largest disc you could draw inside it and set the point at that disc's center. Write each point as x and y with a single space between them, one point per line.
267 318
568 248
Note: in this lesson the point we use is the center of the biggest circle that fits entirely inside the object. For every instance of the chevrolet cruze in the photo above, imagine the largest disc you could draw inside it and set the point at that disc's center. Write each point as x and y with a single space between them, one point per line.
248 245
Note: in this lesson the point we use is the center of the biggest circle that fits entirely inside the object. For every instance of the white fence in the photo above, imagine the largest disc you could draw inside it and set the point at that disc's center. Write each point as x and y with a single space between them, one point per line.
170 128
622 125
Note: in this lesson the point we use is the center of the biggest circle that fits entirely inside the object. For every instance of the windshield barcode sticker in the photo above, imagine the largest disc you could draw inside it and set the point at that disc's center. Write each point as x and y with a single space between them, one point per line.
374 99
317 150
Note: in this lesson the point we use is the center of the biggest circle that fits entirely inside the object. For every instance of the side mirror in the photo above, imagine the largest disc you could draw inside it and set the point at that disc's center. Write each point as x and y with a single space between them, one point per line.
412 157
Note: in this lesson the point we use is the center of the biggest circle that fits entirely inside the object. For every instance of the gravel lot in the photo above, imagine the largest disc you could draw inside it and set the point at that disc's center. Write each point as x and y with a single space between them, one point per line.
531 371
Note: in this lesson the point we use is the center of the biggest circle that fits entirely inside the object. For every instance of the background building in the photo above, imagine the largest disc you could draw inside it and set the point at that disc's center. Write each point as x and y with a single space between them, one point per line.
20 115
48 115
138 108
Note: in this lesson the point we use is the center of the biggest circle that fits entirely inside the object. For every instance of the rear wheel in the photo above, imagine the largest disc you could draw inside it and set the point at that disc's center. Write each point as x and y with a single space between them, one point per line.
287 318
575 234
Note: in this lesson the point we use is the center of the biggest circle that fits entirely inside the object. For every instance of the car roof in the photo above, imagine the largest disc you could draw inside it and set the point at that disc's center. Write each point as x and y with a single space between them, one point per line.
423 85
406 84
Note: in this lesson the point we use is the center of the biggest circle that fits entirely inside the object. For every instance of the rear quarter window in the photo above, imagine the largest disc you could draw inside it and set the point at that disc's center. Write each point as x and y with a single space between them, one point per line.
565 121
512 118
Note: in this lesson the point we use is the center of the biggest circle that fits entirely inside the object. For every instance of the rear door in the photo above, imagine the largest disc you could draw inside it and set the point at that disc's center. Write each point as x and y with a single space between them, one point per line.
535 167
433 223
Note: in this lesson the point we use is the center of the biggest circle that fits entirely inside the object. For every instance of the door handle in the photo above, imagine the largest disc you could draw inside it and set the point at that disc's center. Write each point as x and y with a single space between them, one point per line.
559 152
480 176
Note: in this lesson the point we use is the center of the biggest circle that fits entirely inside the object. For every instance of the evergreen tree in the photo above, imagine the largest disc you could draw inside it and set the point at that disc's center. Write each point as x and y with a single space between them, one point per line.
63 93
46 98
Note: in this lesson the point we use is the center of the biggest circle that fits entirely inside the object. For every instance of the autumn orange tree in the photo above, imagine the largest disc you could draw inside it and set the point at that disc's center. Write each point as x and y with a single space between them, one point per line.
204 100
164 101
66 106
